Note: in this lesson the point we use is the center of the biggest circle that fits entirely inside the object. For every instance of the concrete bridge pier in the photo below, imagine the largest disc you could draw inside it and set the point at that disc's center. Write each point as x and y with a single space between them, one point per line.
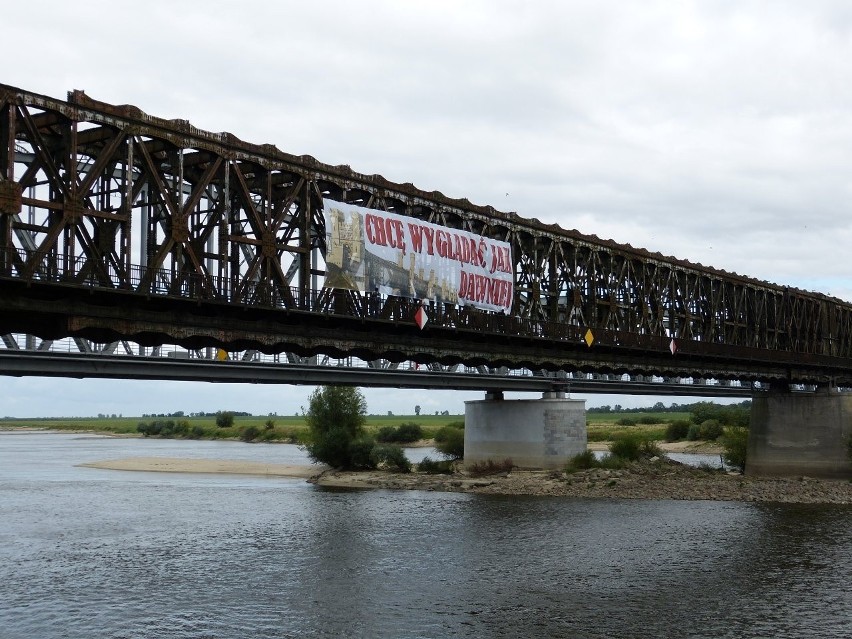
534 433
800 434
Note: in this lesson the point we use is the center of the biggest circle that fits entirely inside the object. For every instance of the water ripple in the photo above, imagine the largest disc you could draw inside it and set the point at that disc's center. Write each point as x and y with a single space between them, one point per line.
175 556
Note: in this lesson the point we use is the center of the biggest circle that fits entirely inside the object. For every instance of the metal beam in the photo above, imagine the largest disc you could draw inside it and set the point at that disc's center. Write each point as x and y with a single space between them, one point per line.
17 363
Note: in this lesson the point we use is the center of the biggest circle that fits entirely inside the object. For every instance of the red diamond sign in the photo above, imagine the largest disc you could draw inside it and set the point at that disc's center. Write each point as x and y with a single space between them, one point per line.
421 317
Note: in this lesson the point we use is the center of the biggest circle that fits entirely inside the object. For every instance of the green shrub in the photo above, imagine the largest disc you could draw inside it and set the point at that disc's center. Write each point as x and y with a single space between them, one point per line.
197 432
451 442
164 428
448 431
390 457
267 435
181 429
489 467
625 421
250 434
702 411
270 424
626 447
710 430
435 467
677 430
224 433
335 418
581 461
648 420
386 434
624 450
224 419
648 448
292 435
728 415
361 453
734 441
737 415
633 447
409 432
402 434
332 448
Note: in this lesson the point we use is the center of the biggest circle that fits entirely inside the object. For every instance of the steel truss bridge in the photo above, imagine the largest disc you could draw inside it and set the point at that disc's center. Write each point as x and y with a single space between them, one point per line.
118 227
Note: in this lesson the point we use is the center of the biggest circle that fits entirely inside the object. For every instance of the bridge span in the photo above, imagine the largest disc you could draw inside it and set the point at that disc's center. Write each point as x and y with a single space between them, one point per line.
119 225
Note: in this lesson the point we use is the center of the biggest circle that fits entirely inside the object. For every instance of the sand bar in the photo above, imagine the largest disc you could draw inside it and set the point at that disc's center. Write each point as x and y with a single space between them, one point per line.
231 466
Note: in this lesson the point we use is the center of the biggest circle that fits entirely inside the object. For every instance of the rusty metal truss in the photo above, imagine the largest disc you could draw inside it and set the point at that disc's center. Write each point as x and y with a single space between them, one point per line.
119 225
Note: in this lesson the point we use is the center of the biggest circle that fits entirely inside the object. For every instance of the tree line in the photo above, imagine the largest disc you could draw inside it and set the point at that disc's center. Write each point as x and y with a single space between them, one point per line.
659 407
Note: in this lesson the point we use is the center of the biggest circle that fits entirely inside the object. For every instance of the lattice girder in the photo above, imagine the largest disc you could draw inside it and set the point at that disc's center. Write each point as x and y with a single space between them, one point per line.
108 197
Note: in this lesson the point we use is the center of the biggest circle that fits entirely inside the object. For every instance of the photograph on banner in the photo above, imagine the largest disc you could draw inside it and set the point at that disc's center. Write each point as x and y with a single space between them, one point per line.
379 252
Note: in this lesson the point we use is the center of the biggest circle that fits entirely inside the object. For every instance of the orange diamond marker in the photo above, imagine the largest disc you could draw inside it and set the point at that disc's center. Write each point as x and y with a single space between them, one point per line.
589 338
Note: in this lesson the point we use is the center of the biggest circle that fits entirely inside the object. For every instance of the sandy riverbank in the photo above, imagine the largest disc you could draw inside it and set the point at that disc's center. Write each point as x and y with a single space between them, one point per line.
306 471
177 465
662 479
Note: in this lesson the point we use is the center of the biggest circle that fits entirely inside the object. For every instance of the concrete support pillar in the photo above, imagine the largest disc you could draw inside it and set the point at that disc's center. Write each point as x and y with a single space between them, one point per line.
533 433
800 434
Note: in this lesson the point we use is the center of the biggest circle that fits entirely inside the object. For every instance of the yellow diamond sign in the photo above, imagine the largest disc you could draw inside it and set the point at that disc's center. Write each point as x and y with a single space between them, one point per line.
589 338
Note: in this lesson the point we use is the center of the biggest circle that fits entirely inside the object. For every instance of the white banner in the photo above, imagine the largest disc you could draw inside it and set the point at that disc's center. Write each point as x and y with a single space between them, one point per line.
370 250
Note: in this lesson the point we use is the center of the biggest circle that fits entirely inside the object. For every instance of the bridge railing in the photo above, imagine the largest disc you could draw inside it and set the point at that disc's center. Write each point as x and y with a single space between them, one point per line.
177 283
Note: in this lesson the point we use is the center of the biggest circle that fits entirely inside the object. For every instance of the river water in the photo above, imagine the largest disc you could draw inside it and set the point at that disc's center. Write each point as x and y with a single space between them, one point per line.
97 553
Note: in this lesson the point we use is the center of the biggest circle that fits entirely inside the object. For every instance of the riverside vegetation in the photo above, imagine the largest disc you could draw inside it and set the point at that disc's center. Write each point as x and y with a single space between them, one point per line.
705 421
634 467
291 429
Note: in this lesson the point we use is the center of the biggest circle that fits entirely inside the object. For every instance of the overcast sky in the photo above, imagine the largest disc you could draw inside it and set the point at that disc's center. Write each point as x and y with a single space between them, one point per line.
715 131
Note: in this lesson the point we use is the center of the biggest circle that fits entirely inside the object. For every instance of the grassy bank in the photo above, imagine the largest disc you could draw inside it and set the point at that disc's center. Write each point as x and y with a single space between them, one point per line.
604 427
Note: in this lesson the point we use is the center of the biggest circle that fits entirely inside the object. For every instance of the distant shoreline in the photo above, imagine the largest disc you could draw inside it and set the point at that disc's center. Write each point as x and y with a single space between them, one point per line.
686 447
